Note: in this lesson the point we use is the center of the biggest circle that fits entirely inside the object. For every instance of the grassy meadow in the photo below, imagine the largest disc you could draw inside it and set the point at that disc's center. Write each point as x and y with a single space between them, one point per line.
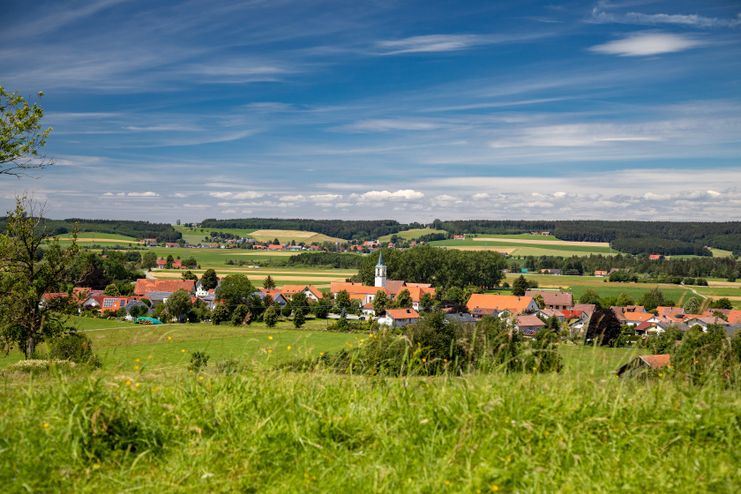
411 234
144 422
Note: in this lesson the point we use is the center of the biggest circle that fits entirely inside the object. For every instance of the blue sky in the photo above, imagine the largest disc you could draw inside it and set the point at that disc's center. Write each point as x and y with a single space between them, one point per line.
382 109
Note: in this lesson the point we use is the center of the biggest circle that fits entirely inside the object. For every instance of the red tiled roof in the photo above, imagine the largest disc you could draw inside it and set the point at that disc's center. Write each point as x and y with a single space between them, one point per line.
656 361
529 321
145 286
355 288
511 303
402 313
552 297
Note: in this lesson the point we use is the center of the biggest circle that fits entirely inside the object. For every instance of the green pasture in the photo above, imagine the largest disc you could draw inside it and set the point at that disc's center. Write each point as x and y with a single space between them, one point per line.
106 236
411 234
197 235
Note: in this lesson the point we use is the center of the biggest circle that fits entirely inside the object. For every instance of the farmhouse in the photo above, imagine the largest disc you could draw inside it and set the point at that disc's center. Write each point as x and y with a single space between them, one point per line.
144 286
529 324
552 299
482 304
312 293
398 318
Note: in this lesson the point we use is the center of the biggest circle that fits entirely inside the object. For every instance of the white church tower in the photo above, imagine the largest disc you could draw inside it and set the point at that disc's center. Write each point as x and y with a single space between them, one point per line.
380 272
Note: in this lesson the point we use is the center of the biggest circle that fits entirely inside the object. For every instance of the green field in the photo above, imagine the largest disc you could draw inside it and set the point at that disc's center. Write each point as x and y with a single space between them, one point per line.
526 245
145 422
257 264
89 238
411 234
197 235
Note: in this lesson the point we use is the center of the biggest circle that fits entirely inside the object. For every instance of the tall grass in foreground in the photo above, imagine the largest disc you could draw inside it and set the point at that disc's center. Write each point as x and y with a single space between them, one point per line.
278 431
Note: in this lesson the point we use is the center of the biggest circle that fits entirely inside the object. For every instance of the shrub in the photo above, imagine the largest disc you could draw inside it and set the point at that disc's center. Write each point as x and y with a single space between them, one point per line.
271 316
220 314
74 347
298 317
198 361
241 315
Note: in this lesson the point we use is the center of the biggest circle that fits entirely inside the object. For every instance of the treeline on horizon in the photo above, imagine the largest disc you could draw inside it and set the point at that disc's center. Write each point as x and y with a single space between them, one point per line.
420 269
163 232
632 237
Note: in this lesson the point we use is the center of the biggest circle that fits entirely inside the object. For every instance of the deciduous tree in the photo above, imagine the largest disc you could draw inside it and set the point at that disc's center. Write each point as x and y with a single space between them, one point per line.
21 134
31 264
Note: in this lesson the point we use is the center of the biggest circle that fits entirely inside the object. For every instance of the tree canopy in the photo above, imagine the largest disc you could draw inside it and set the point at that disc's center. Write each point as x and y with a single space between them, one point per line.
21 134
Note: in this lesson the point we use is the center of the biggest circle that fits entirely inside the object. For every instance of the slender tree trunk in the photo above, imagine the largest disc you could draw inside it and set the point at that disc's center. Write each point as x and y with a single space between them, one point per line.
30 349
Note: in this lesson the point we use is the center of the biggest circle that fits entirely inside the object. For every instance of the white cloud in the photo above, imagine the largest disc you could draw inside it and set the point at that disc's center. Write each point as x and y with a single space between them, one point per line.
577 135
693 20
143 194
250 194
292 198
445 200
481 196
325 198
385 195
646 44
220 195
179 195
437 43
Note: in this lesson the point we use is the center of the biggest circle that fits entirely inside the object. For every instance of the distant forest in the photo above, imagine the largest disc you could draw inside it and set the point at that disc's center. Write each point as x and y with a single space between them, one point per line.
633 237
163 232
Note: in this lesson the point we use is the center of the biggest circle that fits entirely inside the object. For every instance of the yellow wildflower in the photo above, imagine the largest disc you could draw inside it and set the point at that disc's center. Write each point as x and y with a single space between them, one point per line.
493 487
289 348
182 350
270 338
45 425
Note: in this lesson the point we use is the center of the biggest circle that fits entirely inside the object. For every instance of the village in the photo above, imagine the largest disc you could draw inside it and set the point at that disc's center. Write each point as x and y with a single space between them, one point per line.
404 303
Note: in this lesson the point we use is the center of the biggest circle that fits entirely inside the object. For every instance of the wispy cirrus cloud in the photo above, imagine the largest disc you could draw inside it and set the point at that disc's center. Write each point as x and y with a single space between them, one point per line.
601 14
440 43
647 44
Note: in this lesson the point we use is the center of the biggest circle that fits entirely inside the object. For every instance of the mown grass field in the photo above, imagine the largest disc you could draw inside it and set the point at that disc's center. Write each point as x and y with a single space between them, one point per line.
149 424
410 234
286 236
526 245
197 235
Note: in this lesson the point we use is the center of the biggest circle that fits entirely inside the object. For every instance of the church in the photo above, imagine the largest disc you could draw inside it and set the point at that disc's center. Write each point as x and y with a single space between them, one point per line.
365 293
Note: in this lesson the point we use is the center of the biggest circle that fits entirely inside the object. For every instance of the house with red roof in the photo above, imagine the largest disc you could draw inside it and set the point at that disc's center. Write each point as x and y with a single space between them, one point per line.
553 299
398 318
485 304
529 324
312 293
145 286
